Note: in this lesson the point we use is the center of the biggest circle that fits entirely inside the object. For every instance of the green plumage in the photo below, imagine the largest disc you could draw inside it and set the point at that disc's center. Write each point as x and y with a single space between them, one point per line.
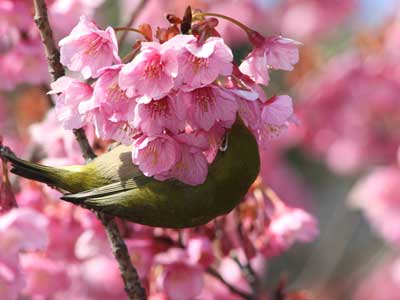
113 185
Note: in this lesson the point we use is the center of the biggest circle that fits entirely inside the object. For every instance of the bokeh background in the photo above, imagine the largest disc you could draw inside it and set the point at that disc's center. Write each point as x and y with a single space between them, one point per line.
341 162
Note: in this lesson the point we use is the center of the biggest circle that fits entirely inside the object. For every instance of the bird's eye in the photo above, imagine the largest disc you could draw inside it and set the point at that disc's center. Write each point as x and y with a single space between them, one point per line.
224 144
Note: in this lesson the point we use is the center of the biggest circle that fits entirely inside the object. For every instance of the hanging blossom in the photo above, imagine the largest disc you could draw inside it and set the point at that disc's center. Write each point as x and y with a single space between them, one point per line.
274 52
176 97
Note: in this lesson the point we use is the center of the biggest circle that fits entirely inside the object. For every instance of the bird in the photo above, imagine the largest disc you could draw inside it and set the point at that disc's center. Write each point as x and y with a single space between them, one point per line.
112 184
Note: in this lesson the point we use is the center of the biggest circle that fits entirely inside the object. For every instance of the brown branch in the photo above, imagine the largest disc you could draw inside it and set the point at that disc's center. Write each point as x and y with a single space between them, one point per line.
249 274
139 7
56 69
84 145
133 287
231 287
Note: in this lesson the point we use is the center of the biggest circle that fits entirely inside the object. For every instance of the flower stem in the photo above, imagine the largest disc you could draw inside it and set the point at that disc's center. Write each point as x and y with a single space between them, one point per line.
128 29
134 15
276 201
232 20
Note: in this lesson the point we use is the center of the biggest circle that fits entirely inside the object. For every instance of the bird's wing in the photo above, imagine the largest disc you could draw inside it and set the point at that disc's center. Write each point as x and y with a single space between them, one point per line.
110 189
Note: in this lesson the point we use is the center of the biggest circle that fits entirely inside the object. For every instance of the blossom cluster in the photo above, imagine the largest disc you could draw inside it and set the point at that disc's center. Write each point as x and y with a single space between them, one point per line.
173 101
176 98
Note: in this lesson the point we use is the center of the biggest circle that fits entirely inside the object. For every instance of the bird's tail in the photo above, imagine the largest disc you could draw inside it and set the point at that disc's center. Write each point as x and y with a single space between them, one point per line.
37 172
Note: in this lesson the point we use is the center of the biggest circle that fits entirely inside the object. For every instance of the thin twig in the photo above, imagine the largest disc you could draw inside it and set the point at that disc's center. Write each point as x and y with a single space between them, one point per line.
231 288
133 287
246 268
139 7
249 274
56 69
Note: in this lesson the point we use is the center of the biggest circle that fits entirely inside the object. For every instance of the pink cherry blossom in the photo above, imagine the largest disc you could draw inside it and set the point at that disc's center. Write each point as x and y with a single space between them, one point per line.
250 112
29 54
181 280
120 131
11 281
151 73
158 115
60 147
354 126
287 226
192 168
276 114
292 225
200 250
143 251
214 136
323 17
90 244
15 14
24 63
110 109
378 197
22 229
101 278
201 64
208 105
73 94
155 154
44 276
277 110
380 283
274 52
87 48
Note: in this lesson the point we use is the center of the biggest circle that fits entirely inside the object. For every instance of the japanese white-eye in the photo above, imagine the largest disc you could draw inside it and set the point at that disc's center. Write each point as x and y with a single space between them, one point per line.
112 184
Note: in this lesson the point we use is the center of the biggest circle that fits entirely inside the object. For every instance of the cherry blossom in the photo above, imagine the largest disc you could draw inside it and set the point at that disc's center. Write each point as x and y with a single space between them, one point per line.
181 280
274 52
151 73
87 48
155 154
377 195
72 94
158 115
201 64
208 105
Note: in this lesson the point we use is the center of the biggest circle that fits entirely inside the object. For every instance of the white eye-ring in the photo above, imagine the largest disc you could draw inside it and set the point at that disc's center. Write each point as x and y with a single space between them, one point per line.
224 144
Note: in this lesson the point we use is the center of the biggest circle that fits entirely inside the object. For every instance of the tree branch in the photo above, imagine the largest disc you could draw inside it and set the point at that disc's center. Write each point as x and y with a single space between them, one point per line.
133 287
